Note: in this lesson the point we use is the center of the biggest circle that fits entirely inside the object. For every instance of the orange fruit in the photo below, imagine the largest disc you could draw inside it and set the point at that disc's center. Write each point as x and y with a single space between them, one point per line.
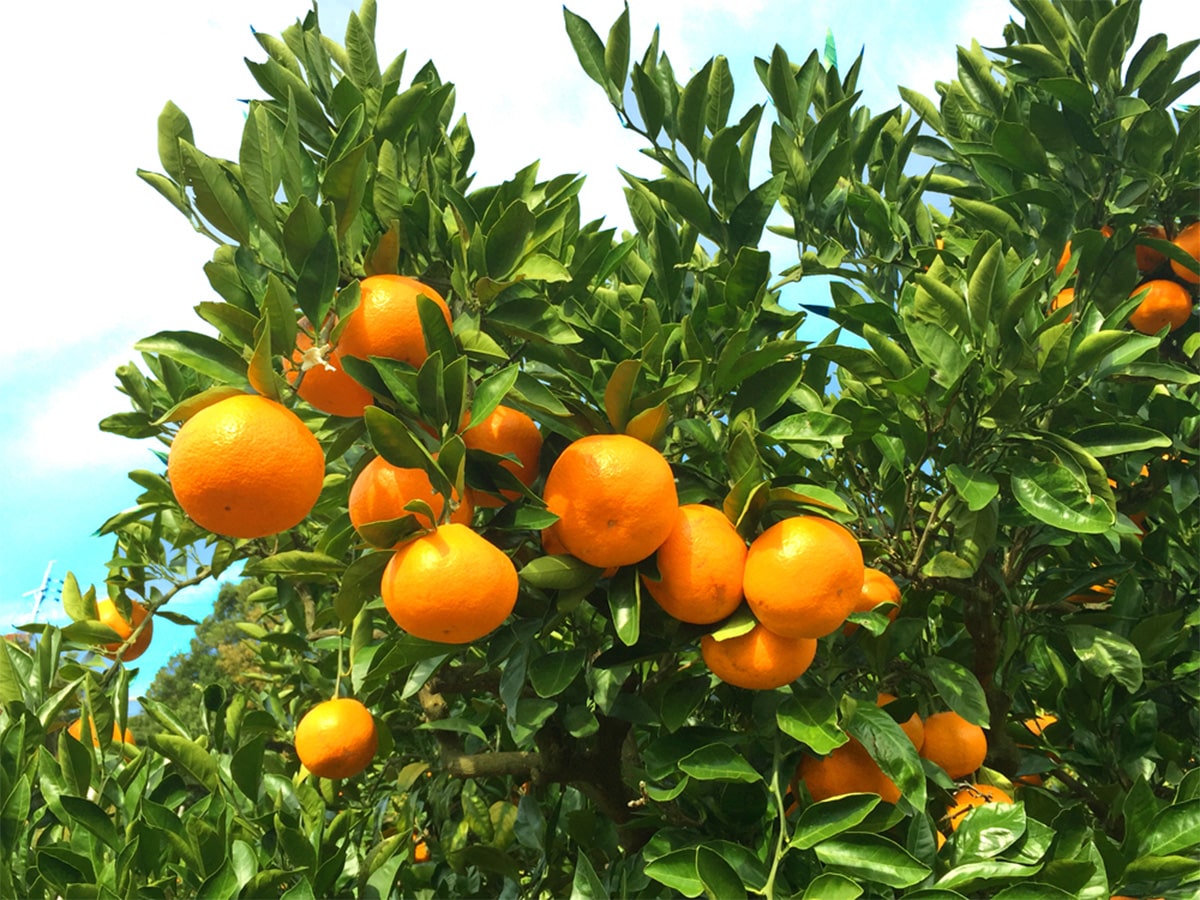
1030 780
450 585
971 796
421 852
1064 297
913 727
506 431
758 660
804 575
108 614
954 744
1187 240
246 467
1167 303
1149 259
328 390
381 490
615 499
849 769
877 588
337 738
1097 593
386 323
75 729
1066 253
700 566
1038 724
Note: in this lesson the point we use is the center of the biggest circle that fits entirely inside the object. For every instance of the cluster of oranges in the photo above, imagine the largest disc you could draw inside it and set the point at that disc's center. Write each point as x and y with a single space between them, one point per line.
1166 301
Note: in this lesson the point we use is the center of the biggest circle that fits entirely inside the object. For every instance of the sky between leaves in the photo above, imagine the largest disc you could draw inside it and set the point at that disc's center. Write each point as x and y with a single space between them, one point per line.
95 260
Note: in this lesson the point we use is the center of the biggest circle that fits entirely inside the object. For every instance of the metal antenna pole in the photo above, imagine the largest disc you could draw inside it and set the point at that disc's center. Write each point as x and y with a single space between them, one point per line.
40 593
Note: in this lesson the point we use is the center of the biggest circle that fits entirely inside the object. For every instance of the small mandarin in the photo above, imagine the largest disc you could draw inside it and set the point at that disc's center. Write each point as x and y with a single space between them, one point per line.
804 576
969 798
1188 240
108 614
381 491
700 567
506 431
75 729
1166 304
848 769
337 738
913 727
877 588
954 744
758 660
386 321
450 586
331 390
614 497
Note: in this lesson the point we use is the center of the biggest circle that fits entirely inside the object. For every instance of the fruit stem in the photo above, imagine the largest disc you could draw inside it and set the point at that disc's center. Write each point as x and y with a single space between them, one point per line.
781 841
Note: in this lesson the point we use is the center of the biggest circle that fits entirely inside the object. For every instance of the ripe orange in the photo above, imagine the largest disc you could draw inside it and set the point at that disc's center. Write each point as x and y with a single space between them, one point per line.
1038 724
1063 298
971 796
108 614
1166 304
877 588
420 850
804 575
337 738
758 660
954 744
615 499
381 490
1066 253
1187 240
451 586
1149 259
386 323
75 729
246 467
849 769
1097 593
506 431
913 727
329 390
700 565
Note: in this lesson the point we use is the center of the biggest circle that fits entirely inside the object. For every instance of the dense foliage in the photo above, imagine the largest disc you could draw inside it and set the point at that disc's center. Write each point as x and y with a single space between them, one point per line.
996 460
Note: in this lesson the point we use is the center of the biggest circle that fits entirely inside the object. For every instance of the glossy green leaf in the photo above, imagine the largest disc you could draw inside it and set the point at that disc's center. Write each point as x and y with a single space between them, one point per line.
1106 654
976 487
1052 495
1113 439
988 830
189 756
832 886
873 858
959 688
718 762
811 719
719 879
829 818
205 354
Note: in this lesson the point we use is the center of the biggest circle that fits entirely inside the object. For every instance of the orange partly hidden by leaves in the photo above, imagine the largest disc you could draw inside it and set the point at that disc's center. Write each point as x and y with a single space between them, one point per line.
552 545
337 738
877 588
330 390
954 744
849 769
804 576
913 727
1149 259
108 614
700 566
381 490
386 322
75 729
971 796
1166 304
615 498
758 660
1066 253
246 467
1038 724
1188 240
1097 593
451 586
1065 297
506 431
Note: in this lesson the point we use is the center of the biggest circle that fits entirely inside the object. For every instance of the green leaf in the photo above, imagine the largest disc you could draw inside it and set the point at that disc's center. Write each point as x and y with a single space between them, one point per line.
78 606
506 240
173 125
1176 829
1051 494
586 884
215 195
1106 654
718 762
246 766
625 604
976 876
618 393
551 674
832 886
189 756
359 584
616 52
590 50
718 877
1114 438
891 748
873 858
318 279
693 105
91 817
297 564
558 573
829 818
811 719
989 830
977 488
959 687
205 354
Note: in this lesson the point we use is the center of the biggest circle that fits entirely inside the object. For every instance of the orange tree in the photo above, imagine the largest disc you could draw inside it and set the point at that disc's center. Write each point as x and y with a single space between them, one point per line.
1022 480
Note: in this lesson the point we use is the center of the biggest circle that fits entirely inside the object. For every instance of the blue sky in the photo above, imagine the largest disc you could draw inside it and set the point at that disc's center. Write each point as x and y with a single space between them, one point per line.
96 260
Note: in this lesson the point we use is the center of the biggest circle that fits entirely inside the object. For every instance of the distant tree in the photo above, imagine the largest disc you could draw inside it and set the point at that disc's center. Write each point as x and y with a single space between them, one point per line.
219 655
